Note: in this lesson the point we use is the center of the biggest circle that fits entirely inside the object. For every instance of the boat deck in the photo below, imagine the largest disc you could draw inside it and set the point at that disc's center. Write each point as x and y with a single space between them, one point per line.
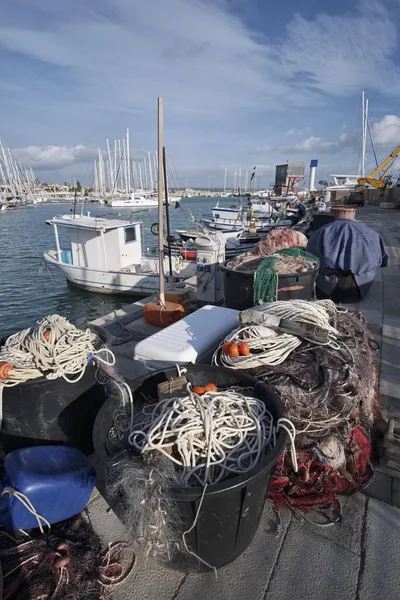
357 560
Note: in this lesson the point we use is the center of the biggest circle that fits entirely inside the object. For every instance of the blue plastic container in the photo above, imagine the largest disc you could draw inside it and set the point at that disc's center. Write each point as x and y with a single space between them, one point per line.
58 480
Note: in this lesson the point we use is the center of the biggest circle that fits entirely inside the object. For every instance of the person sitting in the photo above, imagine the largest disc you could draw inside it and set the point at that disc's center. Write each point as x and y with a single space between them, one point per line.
349 254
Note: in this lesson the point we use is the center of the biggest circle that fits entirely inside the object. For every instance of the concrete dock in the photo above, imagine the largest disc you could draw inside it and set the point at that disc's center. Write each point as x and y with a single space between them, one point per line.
356 560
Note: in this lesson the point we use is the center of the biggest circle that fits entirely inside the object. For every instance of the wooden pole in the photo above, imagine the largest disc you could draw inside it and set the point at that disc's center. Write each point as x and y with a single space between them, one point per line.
160 199
167 212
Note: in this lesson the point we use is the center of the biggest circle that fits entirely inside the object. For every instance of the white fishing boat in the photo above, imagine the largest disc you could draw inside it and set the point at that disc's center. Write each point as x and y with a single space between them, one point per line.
133 201
235 243
105 255
237 218
262 206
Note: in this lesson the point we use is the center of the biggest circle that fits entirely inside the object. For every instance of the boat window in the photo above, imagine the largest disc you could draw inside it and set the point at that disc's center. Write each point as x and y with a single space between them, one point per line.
217 216
130 234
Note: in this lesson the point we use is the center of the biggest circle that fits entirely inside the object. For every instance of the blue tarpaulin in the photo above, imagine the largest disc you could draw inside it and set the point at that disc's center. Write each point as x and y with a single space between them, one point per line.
347 246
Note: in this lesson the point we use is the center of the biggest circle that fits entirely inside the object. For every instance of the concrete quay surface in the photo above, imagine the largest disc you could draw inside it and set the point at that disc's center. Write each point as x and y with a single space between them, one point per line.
293 559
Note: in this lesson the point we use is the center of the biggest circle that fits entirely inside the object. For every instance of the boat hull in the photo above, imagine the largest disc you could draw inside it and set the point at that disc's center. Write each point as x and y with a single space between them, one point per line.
114 282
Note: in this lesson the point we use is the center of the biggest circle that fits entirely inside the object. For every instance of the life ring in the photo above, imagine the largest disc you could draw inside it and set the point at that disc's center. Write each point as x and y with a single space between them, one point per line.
188 254
155 229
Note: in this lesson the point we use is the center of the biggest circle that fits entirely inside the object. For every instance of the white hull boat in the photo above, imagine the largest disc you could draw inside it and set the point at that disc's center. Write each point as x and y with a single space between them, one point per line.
132 202
236 220
105 256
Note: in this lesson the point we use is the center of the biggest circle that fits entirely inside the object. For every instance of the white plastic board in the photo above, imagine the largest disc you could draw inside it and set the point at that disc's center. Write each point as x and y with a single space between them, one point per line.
189 340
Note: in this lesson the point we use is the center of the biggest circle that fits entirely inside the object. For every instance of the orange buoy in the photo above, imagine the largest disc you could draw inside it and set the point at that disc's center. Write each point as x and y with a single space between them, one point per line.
159 316
5 370
46 335
188 254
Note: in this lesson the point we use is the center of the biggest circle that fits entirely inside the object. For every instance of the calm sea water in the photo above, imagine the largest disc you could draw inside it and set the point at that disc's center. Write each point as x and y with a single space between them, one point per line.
26 296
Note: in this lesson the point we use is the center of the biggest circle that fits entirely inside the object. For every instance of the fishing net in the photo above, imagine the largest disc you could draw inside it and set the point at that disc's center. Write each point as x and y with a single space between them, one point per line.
327 388
330 394
286 261
318 485
66 563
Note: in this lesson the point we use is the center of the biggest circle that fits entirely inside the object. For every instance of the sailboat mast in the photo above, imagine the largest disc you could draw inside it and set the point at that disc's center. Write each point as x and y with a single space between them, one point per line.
363 134
151 172
226 171
128 162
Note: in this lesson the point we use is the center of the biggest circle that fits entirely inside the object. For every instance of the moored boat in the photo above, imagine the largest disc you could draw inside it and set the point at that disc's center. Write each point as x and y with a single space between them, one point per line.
105 256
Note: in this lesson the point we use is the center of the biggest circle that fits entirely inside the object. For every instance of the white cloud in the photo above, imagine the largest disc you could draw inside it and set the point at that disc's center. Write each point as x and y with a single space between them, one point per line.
53 157
98 67
314 144
342 54
386 132
298 131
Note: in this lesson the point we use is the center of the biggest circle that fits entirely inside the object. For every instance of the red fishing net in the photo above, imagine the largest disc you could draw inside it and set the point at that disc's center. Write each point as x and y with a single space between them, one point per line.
317 484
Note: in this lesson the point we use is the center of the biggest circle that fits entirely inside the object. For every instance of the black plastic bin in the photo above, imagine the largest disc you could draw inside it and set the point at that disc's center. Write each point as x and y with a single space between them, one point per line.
321 219
52 411
231 511
239 287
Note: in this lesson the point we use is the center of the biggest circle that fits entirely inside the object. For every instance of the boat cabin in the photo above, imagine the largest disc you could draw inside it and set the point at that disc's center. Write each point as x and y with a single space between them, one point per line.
98 243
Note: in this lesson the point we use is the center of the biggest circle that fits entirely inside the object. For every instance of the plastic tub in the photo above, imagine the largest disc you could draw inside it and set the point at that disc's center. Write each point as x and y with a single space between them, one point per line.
239 287
231 511
343 213
51 411
319 220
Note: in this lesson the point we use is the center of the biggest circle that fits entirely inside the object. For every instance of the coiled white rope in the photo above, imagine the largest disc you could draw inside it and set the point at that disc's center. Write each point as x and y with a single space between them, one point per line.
316 313
210 437
54 348
270 348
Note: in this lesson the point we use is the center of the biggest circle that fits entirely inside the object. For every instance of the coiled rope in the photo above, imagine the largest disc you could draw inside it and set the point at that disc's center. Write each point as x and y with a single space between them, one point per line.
54 348
267 347
210 437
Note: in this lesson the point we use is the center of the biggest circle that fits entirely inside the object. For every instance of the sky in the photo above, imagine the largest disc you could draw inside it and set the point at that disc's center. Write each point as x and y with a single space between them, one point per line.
245 83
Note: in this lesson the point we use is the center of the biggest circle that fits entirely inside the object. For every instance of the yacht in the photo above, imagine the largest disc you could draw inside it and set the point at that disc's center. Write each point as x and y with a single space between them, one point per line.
133 201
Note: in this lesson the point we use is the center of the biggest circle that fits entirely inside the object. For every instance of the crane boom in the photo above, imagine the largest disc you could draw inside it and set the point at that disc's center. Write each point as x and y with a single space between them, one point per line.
382 169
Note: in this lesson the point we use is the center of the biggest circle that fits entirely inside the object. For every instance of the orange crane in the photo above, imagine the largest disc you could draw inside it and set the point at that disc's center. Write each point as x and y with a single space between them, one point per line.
378 177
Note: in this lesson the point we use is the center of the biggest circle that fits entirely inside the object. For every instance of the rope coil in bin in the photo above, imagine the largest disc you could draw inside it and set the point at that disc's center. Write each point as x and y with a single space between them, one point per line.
209 437
54 348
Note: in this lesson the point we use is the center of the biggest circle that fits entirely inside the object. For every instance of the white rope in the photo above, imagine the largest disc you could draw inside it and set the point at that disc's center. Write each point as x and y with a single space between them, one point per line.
316 313
269 348
54 348
208 437
28 505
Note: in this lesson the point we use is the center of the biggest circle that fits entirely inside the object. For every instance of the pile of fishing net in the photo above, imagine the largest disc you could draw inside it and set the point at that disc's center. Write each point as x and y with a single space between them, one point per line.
276 239
280 253
68 562
319 361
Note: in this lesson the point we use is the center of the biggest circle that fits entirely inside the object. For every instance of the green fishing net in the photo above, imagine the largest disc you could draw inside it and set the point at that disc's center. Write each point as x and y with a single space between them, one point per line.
266 277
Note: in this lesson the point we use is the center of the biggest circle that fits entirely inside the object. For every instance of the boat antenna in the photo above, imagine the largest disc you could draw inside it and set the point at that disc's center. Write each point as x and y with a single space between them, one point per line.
75 201
161 295
167 212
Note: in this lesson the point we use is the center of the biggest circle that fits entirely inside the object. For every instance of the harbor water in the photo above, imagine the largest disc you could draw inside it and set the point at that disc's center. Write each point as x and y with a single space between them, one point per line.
26 295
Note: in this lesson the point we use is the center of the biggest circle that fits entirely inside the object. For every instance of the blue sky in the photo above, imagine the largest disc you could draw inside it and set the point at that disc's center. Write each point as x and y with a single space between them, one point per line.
245 82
